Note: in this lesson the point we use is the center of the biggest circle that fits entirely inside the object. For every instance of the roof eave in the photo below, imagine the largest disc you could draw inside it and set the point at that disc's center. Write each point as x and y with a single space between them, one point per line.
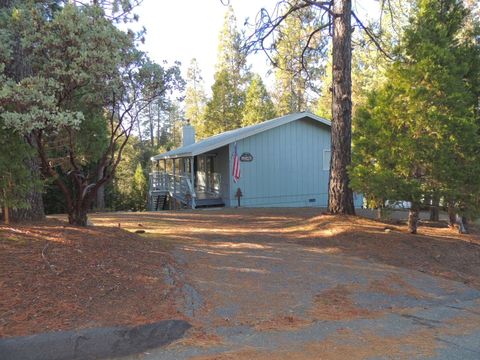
176 156
245 135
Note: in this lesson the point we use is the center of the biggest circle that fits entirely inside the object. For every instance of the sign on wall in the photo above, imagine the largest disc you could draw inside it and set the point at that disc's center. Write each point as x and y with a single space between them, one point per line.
246 157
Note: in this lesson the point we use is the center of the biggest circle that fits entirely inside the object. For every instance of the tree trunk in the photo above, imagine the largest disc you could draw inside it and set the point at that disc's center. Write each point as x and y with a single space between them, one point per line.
452 217
152 127
36 211
456 221
413 215
434 210
100 197
340 196
78 217
434 213
464 221
6 217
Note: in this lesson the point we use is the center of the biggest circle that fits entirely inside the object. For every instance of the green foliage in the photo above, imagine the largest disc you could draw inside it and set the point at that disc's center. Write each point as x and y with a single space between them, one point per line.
224 110
418 135
65 54
195 98
15 176
129 186
139 189
369 64
323 105
258 104
297 71
82 87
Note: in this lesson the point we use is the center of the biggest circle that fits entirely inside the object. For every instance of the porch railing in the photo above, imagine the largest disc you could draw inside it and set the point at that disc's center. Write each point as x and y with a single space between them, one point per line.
177 185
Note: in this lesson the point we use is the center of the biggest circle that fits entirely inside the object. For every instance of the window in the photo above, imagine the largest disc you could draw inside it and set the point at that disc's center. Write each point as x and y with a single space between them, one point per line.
326 160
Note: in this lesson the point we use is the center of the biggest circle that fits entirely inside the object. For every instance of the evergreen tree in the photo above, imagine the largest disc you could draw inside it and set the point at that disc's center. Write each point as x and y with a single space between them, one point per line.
225 108
80 64
297 71
139 189
195 98
323 106
15 65
15 177
369 64
419 134
258 104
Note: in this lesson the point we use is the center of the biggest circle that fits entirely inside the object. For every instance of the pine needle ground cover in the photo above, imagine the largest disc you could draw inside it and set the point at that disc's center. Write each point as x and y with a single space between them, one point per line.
54 276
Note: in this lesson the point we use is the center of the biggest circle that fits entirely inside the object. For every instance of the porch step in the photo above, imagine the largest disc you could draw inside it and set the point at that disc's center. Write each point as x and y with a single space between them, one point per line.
160 202
214 202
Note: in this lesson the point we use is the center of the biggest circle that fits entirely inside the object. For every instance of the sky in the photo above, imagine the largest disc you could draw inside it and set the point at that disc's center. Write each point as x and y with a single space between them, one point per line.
185 29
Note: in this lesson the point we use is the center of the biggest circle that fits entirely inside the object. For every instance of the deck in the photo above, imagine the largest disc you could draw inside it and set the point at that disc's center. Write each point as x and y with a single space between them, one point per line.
179 187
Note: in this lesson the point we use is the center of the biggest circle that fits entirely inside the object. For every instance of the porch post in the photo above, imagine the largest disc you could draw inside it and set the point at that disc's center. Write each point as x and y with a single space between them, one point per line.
192 177
164 175
174 178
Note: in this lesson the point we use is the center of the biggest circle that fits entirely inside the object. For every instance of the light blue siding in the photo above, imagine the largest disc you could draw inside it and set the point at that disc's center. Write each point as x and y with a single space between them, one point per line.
287 167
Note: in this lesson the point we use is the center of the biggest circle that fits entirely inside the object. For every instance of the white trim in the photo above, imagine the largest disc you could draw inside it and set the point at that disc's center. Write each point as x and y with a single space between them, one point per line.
326 164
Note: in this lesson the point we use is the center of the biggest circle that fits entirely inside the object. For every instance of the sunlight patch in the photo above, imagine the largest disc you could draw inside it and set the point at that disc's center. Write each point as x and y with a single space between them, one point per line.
241 246
246 270
329 250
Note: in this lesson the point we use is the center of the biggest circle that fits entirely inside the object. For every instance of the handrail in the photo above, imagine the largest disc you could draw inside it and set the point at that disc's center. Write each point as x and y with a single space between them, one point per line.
181 184
175 184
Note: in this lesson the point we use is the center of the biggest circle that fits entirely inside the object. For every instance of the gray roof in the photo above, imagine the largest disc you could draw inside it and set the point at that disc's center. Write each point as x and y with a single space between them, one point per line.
228 137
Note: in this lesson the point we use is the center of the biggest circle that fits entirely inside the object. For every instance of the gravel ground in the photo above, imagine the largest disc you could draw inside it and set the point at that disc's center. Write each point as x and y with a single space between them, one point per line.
295 285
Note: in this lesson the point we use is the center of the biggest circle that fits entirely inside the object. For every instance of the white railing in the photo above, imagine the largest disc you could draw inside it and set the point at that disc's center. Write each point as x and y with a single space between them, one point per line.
180 185
158 181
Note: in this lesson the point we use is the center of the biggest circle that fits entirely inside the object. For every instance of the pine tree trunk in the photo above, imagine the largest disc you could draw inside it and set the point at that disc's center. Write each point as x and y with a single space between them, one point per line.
340 196
413 215
6 215
452 217
36 211
20 69
434 210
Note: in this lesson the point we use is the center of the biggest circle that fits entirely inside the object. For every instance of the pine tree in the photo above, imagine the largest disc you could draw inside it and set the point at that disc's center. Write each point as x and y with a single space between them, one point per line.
139 189
258 104
80 64
15 176
295 69
195 98
224 110
419 134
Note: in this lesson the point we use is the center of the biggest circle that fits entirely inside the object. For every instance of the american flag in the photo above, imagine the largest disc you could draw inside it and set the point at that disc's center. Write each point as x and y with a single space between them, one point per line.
236 165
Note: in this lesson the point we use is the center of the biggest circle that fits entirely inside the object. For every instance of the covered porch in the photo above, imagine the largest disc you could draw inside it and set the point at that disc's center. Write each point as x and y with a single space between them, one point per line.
185 182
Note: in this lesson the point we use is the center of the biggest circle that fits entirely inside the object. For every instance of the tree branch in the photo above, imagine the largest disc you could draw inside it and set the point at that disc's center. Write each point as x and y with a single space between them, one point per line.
372 37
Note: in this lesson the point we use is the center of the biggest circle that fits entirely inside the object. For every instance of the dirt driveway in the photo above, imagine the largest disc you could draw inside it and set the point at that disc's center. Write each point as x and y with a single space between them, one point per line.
290 284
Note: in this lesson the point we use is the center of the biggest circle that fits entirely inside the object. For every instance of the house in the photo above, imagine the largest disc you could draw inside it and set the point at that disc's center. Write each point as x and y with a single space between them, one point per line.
283 162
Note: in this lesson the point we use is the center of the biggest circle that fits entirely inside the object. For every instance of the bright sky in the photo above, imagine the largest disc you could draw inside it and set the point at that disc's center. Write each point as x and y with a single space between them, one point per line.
181 30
